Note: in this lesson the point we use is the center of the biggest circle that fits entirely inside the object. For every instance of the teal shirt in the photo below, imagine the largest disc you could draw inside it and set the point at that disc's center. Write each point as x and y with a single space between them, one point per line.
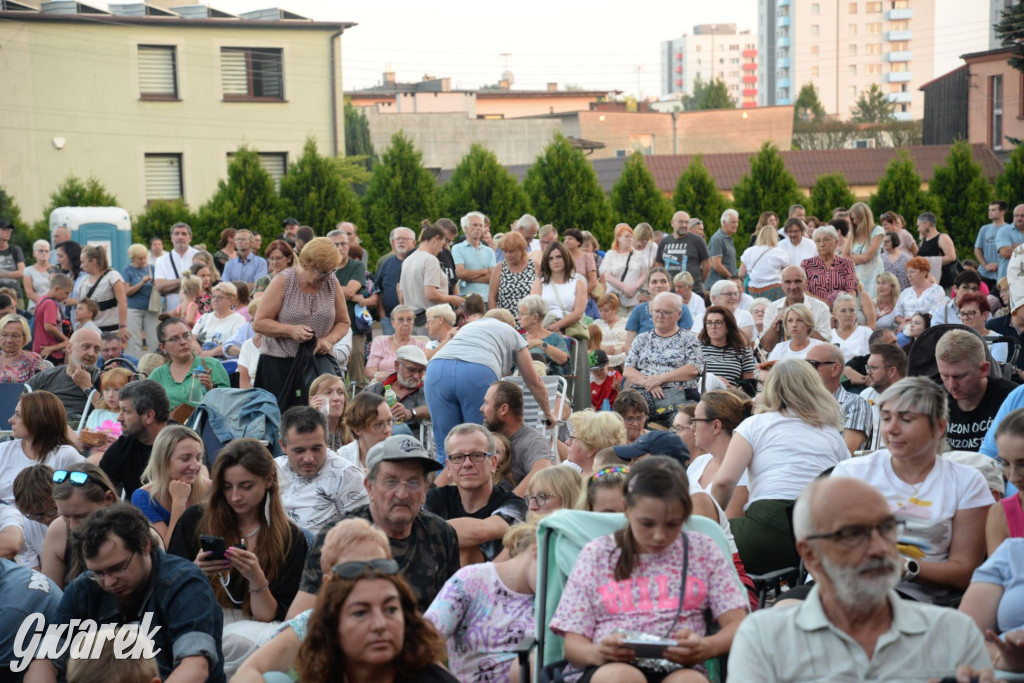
190 390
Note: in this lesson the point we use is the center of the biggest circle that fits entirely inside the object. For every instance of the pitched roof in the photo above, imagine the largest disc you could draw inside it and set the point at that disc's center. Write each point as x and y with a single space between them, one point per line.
860 166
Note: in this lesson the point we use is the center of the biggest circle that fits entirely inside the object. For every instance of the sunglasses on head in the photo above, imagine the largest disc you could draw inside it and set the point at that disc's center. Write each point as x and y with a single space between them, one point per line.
352 570
74 478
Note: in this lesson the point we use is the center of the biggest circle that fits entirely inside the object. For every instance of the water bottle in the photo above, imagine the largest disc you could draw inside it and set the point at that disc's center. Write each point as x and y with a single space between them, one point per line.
606 406
391 397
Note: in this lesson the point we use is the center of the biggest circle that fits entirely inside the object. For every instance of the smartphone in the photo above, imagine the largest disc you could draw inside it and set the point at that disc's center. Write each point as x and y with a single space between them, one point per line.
649 649
214 545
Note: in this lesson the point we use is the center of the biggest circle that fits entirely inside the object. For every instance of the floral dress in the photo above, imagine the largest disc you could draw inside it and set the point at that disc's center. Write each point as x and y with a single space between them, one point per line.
513 287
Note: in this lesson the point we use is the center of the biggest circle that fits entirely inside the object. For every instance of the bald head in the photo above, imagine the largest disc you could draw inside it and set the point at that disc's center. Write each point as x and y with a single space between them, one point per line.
794 282
834 502
829 360
680 223
1018 217
85 346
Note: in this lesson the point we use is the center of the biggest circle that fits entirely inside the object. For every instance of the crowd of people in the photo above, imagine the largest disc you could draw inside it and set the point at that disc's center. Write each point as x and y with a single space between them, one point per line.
840 400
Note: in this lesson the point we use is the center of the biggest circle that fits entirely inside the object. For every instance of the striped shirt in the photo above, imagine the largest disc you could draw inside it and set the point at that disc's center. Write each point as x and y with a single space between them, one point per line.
857 412
726 363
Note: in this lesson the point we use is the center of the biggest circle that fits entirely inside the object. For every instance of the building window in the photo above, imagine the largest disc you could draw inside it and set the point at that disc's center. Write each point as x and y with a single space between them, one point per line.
875 27
814 50
873 7
274 163
163 177
158 73
252 73
815 30
875 49
814 70
900 4
995 94
853 8
853 29
815 8
853 49
853 92
852 69
899 66
873 68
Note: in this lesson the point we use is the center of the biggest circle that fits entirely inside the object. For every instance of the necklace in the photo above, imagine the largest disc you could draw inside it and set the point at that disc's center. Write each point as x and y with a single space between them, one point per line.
252 533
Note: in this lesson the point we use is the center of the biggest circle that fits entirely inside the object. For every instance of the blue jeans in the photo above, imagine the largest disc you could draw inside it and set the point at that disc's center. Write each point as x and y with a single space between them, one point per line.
455 392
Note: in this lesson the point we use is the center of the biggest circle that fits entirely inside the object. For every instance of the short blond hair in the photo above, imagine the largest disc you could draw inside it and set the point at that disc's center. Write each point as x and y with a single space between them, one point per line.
683 277
346 534
138 251
502 315
953 347
564 482
442 311
597 430
108 667
320 254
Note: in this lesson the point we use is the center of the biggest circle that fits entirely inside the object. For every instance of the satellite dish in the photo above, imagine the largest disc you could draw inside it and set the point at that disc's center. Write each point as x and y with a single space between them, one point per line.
508 76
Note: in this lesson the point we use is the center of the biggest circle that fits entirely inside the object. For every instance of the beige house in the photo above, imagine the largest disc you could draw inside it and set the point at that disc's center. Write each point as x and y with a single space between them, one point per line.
152 102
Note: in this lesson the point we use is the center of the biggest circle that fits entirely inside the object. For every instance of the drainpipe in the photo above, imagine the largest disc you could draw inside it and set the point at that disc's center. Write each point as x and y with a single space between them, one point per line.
334 91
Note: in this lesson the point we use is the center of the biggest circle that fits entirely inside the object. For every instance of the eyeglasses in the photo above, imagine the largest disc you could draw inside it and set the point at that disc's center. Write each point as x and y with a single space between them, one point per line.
221 297
98 575
382 426
352 570
184 337
660 313
1010 467
459 458
324 274
412 486
40 516
714 323
402 321
967 315
680 430
859 534
541 499
818 363
634 420
413 369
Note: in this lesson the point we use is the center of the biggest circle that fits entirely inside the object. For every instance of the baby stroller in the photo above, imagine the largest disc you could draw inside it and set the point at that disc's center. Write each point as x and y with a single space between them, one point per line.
921 358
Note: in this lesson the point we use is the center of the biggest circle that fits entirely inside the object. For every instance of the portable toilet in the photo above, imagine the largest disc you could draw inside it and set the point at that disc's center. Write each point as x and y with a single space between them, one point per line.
97 226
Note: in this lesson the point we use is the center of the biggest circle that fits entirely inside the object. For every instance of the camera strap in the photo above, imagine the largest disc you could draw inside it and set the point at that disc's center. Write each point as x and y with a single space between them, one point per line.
682 585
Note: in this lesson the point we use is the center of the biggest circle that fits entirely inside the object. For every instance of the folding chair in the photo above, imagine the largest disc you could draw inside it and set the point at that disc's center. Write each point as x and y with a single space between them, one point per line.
10 394
532 414
560 538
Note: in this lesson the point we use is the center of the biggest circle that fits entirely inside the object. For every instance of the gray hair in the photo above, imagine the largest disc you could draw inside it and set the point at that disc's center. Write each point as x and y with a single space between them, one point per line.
401 308
825 230
729 214
845 298
920 395
534 305
527 220
181 224
719 287
464 221
469 428
394 233
676 300
336 233
442 311
794 208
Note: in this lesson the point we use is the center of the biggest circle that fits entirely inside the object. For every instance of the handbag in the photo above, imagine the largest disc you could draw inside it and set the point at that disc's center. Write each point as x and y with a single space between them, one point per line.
578 330
306 367
156 301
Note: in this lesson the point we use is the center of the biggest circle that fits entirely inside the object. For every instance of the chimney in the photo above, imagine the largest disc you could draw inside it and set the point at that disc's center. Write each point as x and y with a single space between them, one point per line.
389 77
552 87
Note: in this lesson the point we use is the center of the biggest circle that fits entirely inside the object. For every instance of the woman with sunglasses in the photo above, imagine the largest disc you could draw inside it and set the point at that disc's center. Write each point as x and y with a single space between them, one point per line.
78 491
365 627
186 377
485 610
40 430
304 304
368 418
259 574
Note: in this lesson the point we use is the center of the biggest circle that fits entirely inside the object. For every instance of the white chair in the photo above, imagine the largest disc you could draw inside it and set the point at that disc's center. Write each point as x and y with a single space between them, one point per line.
533 416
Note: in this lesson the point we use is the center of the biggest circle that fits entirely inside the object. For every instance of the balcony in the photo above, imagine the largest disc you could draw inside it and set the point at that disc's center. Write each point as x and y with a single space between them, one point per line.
898 77
898 36
782 83
903 116
900 14
749 105
782 3
782 101
900 56
899 97
782 63
679 69
749 66
750 53
782 42
750 79
781 22
749 92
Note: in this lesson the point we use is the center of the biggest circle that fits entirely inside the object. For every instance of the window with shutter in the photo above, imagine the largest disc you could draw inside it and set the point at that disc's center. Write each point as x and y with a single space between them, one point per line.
158 78
274 163
252 73
163 177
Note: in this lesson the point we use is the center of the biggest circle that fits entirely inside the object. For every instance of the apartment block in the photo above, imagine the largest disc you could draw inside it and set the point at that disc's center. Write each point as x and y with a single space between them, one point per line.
713 52
843 47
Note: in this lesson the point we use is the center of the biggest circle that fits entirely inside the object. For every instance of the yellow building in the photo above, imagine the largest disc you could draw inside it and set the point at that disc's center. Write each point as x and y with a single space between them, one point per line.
152 102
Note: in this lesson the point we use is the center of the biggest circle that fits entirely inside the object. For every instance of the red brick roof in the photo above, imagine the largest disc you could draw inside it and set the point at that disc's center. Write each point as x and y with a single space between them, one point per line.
860 166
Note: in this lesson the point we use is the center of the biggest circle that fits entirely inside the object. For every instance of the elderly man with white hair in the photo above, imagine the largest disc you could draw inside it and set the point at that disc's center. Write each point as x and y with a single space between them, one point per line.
722 249
528 226
473 259
665 362
854 626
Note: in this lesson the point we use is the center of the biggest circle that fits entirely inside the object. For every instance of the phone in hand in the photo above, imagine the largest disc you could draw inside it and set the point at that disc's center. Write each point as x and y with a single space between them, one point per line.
214 545
649 649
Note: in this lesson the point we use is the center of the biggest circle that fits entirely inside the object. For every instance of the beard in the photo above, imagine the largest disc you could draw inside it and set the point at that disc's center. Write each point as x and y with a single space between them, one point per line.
493 426
857 590
406 382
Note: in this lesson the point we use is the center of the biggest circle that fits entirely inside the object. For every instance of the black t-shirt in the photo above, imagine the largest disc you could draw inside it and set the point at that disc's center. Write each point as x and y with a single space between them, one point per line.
185 543
448 268
9 260
124 462
446 503
686 252
966 431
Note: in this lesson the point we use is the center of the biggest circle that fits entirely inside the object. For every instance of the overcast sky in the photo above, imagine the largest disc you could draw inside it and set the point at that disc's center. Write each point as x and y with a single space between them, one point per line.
597 44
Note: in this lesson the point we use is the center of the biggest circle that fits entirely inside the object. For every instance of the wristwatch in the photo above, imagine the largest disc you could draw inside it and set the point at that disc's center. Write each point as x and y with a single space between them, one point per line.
544 345
911 570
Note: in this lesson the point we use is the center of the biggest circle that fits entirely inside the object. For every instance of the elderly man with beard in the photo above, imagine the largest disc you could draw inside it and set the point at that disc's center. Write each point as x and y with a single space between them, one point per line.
389 272
71 383
407 383
853 625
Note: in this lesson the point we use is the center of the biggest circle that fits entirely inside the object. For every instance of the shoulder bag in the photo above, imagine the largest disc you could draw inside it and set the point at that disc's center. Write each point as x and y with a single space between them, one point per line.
578 330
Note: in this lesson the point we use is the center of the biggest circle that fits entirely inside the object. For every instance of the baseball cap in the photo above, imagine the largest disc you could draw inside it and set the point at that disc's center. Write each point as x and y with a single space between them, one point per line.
656 442
401 447
290 221
413 354
598 359
6 225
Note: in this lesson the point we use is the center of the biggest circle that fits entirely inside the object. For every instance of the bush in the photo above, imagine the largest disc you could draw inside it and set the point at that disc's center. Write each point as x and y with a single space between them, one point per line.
637 199
245 200
480 183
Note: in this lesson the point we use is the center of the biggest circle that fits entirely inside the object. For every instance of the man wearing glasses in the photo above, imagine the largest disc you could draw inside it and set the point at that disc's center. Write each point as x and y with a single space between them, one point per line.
853 625
131 581
407 383
828 361
426 548
479 512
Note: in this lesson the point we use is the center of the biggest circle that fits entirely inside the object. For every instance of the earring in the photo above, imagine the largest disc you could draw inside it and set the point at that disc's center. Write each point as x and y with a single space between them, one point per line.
266 507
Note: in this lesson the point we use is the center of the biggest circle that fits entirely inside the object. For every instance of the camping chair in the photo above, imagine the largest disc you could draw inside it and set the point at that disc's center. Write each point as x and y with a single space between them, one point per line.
228 414
10 394
560 537
532 414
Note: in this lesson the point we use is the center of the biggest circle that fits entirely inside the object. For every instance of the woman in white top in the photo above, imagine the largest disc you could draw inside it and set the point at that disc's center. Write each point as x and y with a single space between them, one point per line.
40 430
764 262
613 329
368 418
564 291
758 307
623 271
799 325
105 286
850 337
726 293
644 244
683 283
864 247
37 276
922 295
942 504
219 325
796 435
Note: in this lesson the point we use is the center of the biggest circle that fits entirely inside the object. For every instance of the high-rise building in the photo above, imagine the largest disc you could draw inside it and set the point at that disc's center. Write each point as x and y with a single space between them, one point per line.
843 47
713 52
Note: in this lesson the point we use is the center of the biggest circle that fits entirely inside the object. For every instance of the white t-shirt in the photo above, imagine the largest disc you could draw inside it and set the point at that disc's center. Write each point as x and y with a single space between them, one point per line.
312 502
697 308
249 357
800 252
13 460
104 292
11 516
693 473
782 350
350 453
928 507
212 331
854 345
788 454
163 271
743 318
764 265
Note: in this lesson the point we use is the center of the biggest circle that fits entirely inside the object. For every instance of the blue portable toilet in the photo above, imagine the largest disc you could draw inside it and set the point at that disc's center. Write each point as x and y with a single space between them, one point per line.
106 226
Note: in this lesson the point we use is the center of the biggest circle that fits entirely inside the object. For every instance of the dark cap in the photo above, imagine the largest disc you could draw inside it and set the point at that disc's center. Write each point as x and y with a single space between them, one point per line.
598 359
6 225
401 447
290 221
656 442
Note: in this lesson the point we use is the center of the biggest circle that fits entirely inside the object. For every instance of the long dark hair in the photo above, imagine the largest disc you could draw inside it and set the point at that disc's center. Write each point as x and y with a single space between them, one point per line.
321 659
734 339
656 476
46 422
73 250
545 269
218 519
